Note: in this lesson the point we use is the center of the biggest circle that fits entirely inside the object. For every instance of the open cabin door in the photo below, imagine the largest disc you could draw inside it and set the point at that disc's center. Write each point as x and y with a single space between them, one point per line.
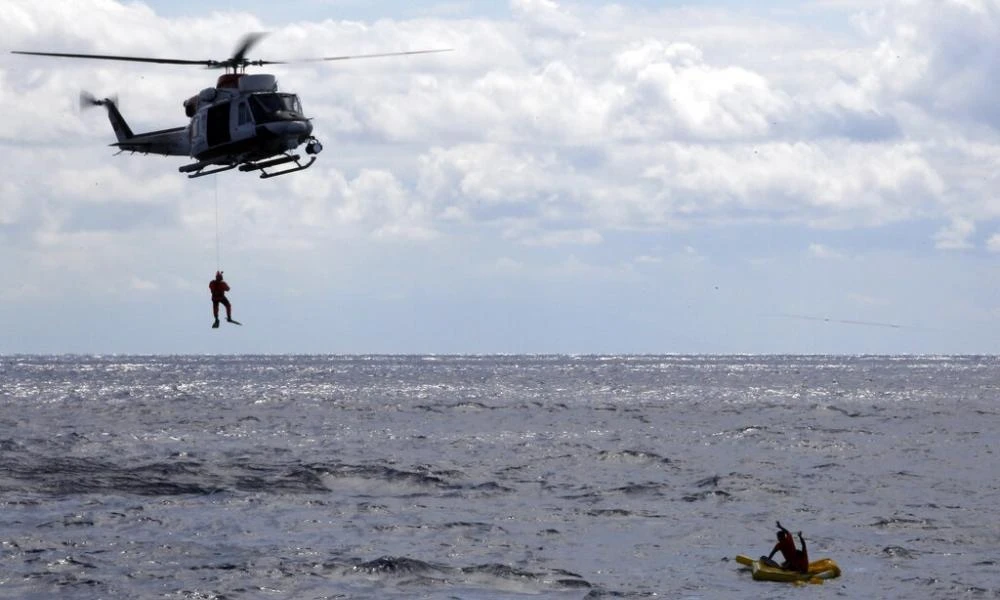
217 128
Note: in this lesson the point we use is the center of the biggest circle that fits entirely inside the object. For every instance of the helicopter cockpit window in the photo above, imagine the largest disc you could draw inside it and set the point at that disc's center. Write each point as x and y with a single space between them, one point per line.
275 107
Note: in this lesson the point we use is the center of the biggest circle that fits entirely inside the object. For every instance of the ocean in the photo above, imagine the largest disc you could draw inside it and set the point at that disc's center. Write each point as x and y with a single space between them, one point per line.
495 477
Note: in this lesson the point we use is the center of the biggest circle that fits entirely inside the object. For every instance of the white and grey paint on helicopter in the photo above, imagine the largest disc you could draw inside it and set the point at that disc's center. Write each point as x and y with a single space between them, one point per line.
243 122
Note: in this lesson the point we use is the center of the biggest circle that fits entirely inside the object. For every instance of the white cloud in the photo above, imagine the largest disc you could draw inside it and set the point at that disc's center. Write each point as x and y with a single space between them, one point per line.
506 263
20 291
648 259
993 243
582 237
376 199
942 55
866 300
824 252
599 131
12 203
956 235
491 182
575 268
100 182
545 17
668 91
560 126
817 184
144 285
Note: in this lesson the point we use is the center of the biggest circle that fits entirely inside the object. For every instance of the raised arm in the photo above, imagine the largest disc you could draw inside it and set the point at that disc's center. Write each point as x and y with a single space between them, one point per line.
775 550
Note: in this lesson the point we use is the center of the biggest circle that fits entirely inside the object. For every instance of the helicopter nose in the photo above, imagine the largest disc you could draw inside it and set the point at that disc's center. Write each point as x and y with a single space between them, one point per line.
296 128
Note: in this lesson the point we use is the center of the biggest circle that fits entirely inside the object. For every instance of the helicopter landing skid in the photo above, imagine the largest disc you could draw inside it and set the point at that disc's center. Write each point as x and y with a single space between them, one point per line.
199 166
267 164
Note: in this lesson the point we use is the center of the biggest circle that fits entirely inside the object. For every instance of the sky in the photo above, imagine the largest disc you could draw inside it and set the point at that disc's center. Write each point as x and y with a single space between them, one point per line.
785 176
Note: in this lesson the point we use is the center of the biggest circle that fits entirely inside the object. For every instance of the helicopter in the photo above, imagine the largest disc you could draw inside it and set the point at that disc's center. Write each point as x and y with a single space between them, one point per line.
243 122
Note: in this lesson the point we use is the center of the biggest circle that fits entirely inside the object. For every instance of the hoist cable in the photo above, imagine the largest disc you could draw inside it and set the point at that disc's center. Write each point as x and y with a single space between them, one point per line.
218 253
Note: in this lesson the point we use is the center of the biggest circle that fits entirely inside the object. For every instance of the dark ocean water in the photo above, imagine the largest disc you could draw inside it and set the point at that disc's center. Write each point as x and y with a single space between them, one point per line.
495 476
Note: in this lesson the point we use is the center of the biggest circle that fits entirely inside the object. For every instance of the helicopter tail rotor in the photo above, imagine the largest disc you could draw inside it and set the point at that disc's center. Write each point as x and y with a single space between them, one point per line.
88 100
122 130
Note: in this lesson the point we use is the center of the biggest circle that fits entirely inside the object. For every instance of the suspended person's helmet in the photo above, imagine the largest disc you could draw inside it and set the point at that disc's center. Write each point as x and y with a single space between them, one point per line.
218 275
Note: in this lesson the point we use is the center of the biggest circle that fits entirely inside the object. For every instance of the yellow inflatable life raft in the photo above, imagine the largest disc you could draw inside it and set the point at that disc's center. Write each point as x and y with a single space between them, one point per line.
819 571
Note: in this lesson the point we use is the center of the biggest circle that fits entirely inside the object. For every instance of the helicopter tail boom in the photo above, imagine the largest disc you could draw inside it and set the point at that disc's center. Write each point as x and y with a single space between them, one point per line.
171 142
122 130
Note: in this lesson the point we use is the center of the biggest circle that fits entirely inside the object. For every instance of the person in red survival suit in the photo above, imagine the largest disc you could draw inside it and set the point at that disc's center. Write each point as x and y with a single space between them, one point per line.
219 287
795 559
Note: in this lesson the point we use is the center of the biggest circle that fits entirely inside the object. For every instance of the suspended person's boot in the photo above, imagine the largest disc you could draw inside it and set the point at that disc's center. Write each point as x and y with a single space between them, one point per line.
216 324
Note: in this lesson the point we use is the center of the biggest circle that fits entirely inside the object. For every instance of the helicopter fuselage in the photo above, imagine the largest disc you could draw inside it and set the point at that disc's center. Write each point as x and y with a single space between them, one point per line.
248 121
243 122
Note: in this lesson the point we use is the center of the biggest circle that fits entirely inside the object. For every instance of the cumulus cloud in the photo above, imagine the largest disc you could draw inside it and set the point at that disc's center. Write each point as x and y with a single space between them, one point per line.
669 91
376 199
639 148
143 285
866 300
824 252
508 264
956 235
481 177
943 56
545 17
551 127
648 259
821 185
993 243
585 237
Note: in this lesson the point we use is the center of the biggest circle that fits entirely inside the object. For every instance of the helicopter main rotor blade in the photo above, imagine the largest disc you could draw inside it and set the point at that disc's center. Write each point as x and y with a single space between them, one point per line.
246 42
238 60
380 55
145 59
